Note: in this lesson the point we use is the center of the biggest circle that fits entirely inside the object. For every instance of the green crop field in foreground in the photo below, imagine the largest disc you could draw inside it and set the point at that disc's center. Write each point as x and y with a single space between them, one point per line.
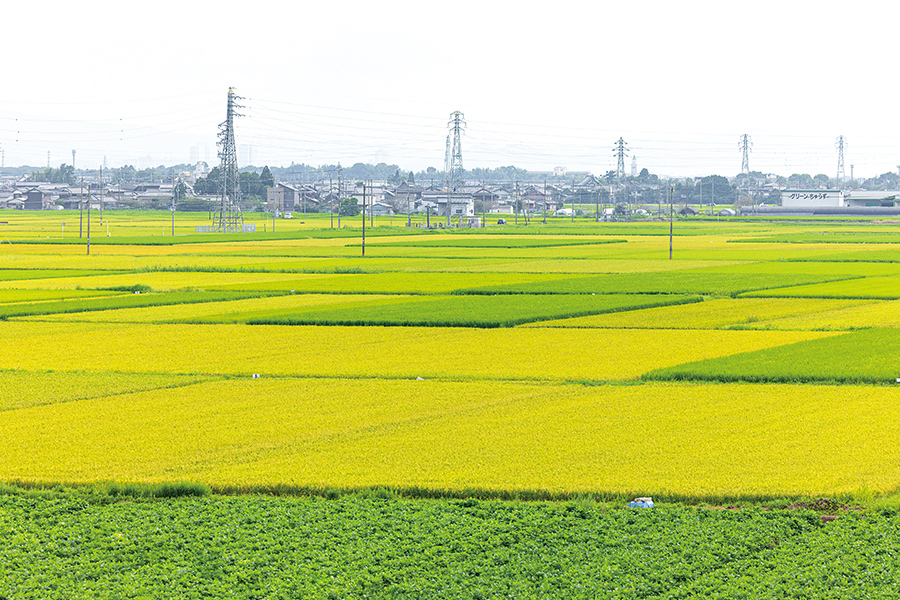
285 548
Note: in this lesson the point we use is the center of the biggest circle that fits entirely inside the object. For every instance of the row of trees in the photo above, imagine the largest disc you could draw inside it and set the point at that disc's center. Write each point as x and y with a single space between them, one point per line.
253 184
64 174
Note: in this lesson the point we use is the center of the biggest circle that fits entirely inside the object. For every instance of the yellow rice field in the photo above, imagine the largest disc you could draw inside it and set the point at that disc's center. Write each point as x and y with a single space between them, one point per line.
715 314
667 438
454 353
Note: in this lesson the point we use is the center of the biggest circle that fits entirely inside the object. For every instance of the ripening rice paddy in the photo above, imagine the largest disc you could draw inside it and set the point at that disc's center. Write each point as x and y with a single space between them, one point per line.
681 439
548 358
456 353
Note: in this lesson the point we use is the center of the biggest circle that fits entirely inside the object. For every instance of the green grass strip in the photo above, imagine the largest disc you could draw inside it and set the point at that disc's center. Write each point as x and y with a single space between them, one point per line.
132 300
454 311
869 356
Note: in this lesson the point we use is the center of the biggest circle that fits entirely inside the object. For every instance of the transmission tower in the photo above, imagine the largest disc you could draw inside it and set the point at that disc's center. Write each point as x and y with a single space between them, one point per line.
619 150
228 216
841 143
745 144
454 166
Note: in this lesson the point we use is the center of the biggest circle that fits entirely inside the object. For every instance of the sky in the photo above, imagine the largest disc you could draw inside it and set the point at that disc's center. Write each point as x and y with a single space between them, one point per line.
541 86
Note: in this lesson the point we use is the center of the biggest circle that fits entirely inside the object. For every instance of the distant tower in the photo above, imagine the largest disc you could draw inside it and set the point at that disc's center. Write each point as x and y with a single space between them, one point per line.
73 159
48 159
745 144
457 125
228 216
840 144
633 165
447 156
619 150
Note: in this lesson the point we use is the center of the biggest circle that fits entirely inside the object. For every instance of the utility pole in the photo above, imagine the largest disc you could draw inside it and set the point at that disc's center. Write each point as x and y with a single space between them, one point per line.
81 208
573 199
516 204
89 221
545 201
671 226
331 199
340 194
364 222
173 203
101 194
483 189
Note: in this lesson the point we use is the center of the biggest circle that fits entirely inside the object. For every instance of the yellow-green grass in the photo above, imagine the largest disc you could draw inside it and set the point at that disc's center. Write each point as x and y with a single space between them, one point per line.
341 283
698 281
182 312
806 267
391 352
722 312
655 439
887 288
24 389
585 265
28 296
162 281
854 316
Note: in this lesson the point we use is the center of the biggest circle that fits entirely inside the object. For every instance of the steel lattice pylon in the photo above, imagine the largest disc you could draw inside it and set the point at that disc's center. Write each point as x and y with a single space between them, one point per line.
620 150
745 144
840 144
453 159
228 217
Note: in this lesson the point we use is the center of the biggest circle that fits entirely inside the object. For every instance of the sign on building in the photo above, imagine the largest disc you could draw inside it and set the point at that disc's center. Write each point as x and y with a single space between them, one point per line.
812 198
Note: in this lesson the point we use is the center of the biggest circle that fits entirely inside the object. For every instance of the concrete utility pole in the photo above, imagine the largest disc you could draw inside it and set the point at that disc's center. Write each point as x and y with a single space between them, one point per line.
89 221
671 213
364 222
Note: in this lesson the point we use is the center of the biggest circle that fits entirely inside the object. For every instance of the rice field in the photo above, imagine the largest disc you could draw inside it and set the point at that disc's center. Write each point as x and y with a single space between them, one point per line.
560 358
674 439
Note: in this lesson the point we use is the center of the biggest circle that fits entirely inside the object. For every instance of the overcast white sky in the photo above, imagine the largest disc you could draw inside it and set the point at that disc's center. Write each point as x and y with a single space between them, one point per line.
554 84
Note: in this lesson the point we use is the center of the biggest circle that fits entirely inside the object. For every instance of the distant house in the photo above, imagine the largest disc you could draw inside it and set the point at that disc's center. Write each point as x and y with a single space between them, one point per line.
282 197
33 199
